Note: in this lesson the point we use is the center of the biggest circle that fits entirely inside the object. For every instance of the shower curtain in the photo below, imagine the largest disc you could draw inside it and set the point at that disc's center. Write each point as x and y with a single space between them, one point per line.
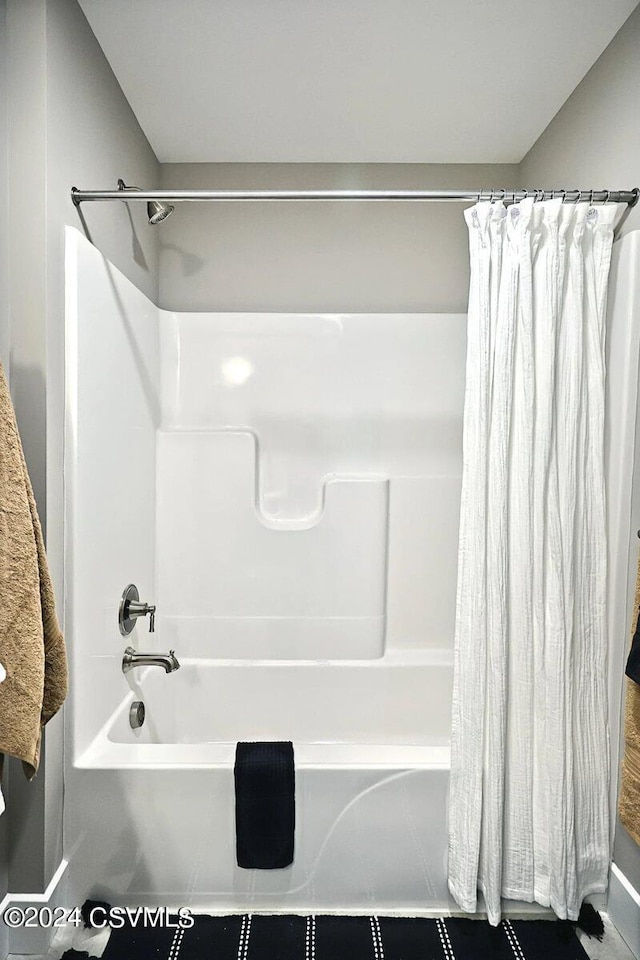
528 816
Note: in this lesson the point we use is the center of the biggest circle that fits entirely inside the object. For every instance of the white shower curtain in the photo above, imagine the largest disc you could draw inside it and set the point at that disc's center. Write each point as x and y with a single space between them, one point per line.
528 816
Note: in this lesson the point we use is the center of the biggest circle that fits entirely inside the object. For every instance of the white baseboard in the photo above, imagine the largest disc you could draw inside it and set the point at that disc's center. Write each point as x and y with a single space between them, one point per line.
35 941
624 908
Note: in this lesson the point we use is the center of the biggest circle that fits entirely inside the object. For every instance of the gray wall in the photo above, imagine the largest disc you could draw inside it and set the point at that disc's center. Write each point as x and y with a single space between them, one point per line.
26 65
80 131
412 257
594 141
343 257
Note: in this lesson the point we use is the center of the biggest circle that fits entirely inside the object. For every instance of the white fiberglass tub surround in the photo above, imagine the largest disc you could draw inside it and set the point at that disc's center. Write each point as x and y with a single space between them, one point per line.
285 489
292 449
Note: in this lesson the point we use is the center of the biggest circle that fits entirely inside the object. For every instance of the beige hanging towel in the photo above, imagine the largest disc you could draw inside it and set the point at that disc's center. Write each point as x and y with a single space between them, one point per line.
629 800
33 662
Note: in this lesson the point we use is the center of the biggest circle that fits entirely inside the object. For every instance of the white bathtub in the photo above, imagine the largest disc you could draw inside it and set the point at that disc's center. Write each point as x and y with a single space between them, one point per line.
372 762
402 699
303 522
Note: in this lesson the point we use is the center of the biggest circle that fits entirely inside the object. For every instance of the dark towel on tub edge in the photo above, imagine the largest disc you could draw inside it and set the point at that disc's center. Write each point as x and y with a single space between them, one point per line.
265 804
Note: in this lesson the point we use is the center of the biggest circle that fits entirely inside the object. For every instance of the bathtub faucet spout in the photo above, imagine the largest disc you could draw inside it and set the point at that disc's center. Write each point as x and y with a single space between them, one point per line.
131 659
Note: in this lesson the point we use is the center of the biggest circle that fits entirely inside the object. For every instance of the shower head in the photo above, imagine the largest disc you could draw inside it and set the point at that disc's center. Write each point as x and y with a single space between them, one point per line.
156 210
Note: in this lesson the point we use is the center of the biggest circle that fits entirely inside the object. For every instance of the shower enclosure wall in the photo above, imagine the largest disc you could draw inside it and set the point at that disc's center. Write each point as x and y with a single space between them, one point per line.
285 489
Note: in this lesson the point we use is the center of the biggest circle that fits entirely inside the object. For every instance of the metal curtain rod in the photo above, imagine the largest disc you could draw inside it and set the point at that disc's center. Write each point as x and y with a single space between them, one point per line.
629 197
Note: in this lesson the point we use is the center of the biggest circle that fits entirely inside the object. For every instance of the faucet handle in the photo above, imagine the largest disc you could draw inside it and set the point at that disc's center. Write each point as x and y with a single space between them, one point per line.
135 610
131 608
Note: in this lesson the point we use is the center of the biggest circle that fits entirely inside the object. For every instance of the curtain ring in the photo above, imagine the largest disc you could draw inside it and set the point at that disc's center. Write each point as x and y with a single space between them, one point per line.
564 195
608 196
578 194
591 196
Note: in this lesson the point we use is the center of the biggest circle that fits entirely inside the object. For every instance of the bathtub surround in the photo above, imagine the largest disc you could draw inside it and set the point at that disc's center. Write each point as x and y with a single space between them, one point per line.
370 732
33 684
113 399
529 767
319 449
312 443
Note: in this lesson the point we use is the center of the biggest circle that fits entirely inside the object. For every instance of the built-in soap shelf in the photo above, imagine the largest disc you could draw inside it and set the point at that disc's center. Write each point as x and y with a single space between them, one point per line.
295 503
311 585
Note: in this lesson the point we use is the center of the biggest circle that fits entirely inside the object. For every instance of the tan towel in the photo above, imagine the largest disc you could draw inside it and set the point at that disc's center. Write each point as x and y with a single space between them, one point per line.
629 800
32 647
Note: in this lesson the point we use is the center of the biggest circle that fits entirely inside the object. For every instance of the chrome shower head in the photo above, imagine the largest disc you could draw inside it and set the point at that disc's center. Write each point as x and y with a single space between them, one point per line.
156 210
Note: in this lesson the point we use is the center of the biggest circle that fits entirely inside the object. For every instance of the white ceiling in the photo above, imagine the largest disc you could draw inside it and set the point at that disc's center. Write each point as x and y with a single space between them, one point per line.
404 81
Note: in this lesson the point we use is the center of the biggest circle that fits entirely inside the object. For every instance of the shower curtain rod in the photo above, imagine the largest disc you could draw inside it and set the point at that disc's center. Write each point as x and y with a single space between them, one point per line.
629 197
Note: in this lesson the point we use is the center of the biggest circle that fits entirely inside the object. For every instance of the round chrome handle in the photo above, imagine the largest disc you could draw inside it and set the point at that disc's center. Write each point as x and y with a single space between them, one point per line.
131 608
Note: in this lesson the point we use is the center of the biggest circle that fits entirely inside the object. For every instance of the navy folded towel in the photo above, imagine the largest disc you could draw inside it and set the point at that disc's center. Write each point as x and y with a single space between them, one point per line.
265 804
632 669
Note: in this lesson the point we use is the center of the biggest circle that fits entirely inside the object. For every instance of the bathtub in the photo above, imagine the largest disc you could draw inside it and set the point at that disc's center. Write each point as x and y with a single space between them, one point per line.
303 522
370 790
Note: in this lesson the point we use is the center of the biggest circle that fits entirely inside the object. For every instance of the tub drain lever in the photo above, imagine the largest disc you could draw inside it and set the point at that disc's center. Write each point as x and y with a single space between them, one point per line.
131 608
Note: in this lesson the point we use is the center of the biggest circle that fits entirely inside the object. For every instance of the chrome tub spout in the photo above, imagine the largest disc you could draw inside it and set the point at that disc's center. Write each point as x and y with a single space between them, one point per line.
131 659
